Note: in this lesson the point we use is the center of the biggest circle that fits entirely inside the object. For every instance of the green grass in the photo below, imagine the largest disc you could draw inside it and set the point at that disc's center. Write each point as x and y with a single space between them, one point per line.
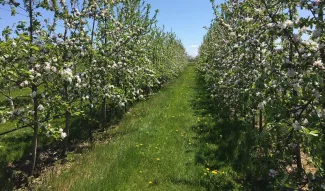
13 145
17 146
16 93
176 140
153 148
164 143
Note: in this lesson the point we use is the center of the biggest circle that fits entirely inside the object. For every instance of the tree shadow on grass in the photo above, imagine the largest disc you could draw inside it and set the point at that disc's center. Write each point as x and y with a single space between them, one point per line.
15 154
228 146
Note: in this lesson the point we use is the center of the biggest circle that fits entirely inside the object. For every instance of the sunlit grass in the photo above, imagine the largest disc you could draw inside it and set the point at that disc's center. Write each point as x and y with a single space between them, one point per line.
16 93
152 148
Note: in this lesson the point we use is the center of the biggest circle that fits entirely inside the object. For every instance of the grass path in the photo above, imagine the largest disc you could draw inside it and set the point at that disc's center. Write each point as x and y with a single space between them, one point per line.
153 148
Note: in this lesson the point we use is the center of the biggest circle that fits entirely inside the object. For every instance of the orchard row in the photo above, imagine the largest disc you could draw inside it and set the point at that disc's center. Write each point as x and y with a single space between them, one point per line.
91 57
263 62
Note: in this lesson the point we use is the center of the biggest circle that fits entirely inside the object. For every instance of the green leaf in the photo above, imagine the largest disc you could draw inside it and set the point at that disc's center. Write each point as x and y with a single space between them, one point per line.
25 37
13 11
314 133
34 48
26 72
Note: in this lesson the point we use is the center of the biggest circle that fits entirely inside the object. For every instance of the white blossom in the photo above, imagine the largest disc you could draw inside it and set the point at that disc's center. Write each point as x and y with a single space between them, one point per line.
22 84
40 107
47 67
296 126
53 68
25 120
289 169
273 173
121 104
66 74
33 95
316 33
270 25
322 186
316 94
248 19
305 122
31 112
289 23
261 105
303 29
318 63
282 25
63 135
78 79
3 120
290 72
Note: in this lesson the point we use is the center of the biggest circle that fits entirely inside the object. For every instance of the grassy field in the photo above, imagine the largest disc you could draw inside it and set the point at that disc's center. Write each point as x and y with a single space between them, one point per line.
175 140
16 93
9 151
153 148
15 145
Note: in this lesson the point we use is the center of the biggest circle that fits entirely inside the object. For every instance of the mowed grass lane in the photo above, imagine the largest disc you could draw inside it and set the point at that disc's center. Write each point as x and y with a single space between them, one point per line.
153 148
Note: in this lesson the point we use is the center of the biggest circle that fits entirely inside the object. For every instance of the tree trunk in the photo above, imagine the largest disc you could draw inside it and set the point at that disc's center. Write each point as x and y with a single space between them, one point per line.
105 112
261 121
35 136
67 120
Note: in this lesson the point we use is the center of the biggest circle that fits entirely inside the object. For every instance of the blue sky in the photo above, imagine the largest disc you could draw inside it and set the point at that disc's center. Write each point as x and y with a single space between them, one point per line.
184 17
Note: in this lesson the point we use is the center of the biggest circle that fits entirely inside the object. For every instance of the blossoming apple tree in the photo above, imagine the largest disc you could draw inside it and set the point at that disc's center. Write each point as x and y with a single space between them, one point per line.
264 59
89 57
